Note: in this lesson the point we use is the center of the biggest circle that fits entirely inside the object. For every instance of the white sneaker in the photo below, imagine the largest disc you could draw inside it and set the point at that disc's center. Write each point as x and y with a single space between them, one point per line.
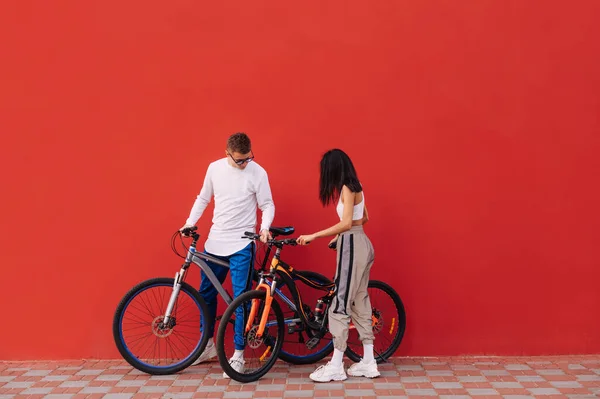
364 369
209 353
329 372
237 365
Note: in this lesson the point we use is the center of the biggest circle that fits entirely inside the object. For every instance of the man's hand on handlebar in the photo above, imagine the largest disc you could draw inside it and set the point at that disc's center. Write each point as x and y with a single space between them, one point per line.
265 236
187 229
270 240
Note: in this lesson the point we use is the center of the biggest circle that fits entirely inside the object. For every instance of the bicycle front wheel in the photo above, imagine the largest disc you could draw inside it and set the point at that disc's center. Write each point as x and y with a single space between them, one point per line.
148 343
244 354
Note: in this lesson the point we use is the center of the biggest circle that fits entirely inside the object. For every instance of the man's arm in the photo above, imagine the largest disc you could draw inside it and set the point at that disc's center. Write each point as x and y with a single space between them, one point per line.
265 203
202 200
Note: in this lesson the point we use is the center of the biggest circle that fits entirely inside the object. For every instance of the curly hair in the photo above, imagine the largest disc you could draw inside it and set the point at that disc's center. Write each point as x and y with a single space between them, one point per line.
239 142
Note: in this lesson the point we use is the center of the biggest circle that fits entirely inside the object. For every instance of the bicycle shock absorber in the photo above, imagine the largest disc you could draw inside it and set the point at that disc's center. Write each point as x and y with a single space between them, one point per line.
319 319
173 298
319 310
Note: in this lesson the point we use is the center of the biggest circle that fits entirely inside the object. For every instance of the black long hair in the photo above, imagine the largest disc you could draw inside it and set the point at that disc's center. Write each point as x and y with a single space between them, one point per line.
337 171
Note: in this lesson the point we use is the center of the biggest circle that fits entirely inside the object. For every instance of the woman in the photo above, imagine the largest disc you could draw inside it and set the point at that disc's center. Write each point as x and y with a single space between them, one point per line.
339 183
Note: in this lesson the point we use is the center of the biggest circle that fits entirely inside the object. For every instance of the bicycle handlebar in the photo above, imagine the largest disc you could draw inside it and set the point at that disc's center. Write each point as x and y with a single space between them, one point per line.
188 230
254 236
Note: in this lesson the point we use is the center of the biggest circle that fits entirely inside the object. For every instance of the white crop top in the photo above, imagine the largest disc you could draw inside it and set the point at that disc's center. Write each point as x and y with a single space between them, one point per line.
357 212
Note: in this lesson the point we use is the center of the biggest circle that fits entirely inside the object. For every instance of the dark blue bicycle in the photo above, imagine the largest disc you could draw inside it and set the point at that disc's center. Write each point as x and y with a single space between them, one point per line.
158 324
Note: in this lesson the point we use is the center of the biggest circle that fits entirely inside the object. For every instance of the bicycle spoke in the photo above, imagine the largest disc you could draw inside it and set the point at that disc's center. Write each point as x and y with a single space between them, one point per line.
135 337
143 301
142 310
170 345
159 304
141 340
142 321
149 340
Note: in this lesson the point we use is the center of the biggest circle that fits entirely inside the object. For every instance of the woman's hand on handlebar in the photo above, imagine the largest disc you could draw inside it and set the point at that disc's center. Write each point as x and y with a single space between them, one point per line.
333 243
306 239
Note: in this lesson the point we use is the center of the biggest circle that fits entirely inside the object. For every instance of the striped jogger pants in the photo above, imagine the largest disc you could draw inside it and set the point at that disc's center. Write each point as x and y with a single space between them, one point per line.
355 256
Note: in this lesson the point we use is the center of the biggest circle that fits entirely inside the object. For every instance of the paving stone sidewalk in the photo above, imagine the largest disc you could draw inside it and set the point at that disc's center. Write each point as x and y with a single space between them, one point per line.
493 377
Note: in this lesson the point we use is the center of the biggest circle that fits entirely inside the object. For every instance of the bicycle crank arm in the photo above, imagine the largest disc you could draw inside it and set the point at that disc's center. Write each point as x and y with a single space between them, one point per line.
313 342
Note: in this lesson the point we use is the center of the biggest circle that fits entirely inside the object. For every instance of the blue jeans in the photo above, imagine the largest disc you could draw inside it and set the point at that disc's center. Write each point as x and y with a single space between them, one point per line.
240 264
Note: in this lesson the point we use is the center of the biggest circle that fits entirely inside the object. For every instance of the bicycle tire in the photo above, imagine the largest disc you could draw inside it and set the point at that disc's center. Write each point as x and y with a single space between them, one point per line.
227 315
381 357
122 346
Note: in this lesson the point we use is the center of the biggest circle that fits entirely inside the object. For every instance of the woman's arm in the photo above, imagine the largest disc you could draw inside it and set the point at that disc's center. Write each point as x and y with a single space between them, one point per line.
344 225
365 218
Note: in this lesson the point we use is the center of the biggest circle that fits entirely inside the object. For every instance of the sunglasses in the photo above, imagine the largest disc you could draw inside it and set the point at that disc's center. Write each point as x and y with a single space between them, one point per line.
242 161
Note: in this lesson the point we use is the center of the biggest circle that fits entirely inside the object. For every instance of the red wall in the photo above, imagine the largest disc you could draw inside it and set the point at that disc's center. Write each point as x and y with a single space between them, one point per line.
473 124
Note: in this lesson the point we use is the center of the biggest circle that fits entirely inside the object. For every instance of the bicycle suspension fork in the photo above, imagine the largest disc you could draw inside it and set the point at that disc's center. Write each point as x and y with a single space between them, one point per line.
269 290
179 278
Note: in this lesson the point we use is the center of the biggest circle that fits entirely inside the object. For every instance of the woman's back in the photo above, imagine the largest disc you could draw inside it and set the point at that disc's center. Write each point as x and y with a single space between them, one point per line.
357 212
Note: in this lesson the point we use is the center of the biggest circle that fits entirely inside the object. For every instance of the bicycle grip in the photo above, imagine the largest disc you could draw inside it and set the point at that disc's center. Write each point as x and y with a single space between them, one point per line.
248 234
188 230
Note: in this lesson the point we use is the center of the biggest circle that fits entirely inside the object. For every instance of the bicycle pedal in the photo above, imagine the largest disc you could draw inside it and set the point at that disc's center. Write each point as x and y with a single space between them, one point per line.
314 341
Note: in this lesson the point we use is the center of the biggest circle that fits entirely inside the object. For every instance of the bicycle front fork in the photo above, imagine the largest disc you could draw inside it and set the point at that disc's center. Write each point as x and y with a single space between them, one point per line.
269 290
179 279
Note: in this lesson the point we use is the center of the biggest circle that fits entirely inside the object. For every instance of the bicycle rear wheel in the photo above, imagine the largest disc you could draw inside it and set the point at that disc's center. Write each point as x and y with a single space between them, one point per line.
142 338
297 335
389 323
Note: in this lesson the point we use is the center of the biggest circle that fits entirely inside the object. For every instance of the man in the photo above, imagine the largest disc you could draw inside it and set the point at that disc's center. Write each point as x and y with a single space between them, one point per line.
238 186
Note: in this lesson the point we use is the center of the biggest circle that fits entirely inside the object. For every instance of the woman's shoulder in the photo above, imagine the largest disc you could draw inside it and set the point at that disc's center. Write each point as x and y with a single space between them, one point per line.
353 187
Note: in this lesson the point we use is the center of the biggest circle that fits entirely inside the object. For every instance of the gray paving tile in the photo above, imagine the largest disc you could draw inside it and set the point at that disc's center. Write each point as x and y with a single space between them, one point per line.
421 392
36 391
544 391
447 385
90 390
481 391
566 384
37 373
359 392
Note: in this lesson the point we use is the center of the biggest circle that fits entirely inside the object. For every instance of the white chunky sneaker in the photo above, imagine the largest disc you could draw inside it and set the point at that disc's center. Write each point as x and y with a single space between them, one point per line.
209 352
364 369
237 365
329 372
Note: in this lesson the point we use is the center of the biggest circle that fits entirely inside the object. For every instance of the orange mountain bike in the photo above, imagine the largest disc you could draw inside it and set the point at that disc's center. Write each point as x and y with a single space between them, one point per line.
158 325
266 327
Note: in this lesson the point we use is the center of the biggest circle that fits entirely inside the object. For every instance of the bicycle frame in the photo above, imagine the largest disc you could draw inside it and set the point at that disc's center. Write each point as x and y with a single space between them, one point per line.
277 267
270 288
200 259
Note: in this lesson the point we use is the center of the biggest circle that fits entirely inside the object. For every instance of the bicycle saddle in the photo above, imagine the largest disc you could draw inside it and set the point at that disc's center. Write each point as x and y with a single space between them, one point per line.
281 231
